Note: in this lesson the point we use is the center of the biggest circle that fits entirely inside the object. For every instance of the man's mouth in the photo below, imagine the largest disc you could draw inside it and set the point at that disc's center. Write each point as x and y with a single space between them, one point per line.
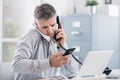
51 35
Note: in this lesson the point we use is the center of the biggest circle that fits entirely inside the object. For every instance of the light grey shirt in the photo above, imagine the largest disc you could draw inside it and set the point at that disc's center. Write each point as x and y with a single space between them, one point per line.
31 60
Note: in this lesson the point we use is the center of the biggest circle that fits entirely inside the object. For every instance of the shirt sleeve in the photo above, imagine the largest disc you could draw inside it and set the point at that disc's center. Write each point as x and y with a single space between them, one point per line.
22 62
69 70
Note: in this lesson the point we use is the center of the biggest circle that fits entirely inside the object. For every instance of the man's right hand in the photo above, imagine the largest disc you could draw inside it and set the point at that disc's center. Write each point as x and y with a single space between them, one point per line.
58 59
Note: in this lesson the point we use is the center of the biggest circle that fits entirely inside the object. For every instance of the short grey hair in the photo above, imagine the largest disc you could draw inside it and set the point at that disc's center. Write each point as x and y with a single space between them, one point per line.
44 11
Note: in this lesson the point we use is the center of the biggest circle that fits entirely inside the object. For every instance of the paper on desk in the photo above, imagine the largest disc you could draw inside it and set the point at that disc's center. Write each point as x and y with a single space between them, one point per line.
96 77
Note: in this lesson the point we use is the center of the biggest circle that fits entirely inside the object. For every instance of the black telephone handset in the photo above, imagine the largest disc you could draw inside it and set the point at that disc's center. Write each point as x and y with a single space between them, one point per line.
59 26
68 51
58 22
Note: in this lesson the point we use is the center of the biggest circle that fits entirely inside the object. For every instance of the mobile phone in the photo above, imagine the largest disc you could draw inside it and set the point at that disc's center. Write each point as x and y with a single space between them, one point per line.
59 26
69 51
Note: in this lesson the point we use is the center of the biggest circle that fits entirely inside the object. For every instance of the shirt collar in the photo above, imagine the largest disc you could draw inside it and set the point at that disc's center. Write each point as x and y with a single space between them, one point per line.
45 36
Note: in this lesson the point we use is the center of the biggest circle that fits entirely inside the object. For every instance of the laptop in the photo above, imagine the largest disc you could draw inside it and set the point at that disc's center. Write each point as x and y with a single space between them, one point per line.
95 62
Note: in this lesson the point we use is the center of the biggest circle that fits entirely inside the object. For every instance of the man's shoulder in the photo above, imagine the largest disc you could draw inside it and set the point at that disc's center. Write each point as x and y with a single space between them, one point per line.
31 37
31 34
33 31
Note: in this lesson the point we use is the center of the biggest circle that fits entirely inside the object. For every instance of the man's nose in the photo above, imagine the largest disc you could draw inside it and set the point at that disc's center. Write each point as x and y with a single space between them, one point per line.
50 30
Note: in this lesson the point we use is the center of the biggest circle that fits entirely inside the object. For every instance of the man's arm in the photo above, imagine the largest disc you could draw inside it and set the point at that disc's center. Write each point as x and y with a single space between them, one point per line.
22 62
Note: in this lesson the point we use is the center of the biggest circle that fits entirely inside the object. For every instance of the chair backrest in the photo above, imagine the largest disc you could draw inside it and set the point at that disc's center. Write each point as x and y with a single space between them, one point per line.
6 72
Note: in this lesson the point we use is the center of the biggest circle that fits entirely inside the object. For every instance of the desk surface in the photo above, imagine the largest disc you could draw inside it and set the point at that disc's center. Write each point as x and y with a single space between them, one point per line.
115 73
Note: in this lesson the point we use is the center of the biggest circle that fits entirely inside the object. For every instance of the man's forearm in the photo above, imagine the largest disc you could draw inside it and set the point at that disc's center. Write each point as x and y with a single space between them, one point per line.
30 66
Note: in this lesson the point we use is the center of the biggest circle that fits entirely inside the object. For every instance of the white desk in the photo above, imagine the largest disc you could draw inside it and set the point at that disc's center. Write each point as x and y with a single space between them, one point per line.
114 73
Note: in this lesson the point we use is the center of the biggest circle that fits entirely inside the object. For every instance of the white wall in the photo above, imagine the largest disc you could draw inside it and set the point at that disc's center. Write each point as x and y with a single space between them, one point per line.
21 12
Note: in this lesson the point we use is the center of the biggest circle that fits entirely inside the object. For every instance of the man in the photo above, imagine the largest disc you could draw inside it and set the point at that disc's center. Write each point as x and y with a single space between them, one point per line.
37 55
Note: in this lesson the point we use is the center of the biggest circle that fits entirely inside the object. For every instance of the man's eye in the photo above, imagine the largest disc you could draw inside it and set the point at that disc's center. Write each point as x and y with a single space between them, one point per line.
45 27
53 25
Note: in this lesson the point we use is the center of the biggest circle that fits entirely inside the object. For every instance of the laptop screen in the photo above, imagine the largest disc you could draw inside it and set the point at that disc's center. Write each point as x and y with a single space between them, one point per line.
95 62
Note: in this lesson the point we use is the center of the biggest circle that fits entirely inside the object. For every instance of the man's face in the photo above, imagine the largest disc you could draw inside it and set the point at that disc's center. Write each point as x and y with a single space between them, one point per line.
47 27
